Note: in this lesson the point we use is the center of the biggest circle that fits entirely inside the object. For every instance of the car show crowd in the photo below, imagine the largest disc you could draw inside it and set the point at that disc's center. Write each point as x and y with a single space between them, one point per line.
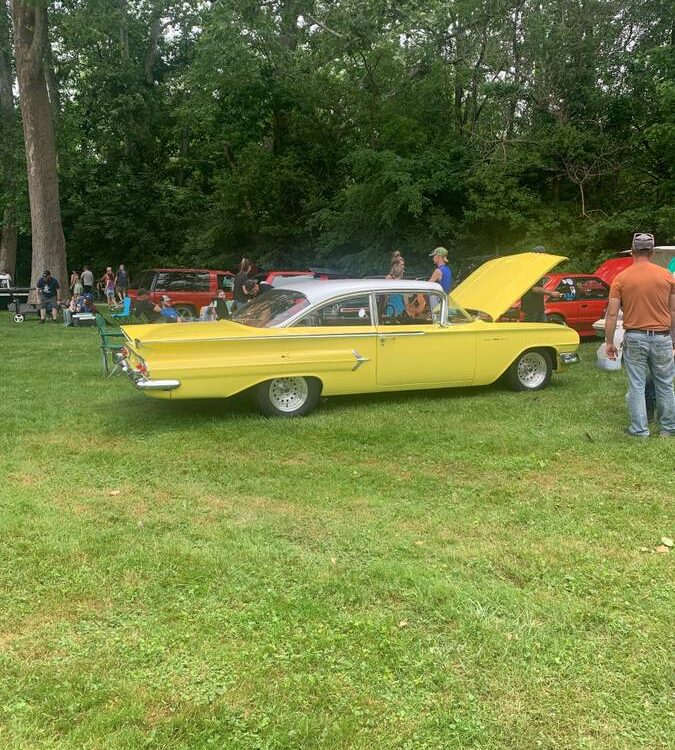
637 294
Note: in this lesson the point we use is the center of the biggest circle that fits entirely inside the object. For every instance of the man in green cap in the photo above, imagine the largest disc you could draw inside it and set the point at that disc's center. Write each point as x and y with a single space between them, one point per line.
442 274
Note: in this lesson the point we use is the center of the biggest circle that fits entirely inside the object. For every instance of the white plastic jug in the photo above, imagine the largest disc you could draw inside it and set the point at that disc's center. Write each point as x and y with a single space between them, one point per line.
604 363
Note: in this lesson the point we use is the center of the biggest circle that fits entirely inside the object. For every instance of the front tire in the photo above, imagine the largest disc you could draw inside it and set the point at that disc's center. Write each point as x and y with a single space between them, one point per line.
531 371
287 397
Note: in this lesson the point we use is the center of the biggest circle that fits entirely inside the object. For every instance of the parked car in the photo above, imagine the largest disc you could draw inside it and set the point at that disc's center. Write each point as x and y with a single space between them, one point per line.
584 300
188 288
664 255
275 278
309 338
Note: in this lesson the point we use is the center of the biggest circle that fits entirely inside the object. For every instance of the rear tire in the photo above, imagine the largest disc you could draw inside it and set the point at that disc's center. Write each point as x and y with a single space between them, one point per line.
554 318
185 311
531 371
287 397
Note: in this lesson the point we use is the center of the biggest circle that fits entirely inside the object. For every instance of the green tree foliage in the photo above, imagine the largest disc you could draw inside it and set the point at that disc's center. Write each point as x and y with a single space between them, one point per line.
300 131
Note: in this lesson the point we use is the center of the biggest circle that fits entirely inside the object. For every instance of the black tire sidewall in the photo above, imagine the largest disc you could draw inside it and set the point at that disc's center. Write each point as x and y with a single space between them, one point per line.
185 311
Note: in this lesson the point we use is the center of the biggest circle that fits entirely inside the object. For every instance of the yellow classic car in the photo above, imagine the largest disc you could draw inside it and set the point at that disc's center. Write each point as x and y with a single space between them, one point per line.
307 338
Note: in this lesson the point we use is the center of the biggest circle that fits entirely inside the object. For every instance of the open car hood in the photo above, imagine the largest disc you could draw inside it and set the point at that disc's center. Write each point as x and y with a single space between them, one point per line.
497 284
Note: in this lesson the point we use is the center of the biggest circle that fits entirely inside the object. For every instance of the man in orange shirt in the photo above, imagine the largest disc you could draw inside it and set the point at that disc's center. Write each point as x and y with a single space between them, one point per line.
646 292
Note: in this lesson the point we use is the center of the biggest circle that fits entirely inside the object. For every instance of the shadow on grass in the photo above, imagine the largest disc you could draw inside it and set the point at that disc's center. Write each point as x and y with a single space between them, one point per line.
146 412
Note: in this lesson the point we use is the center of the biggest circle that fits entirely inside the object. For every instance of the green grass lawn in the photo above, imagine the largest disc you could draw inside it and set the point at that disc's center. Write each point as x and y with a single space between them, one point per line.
418 571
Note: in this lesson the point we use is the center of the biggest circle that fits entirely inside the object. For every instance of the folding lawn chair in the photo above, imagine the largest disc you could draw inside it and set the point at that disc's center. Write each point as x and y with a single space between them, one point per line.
125 313
112 340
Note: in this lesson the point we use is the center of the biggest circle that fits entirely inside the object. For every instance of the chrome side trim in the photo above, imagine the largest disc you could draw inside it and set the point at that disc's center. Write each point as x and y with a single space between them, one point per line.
401 333
264 338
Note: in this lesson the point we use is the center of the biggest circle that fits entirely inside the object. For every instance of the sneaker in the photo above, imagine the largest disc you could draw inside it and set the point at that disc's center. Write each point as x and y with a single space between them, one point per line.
628 433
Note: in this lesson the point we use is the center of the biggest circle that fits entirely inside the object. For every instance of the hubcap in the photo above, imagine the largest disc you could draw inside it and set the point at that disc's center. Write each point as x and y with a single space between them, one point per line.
532 369
288 394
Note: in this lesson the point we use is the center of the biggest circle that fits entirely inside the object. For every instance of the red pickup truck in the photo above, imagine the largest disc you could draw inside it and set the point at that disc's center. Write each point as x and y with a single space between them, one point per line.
189 289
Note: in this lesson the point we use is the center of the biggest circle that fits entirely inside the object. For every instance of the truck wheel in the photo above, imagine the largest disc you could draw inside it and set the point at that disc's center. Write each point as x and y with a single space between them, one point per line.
531 371
288 397
555 318
185 311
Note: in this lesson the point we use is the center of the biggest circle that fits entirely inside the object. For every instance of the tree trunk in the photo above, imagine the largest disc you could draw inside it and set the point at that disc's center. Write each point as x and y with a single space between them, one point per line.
7 150
30 42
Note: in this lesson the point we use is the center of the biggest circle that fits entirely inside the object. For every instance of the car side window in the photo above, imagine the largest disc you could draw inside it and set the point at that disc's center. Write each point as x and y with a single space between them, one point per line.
182 281
350 311
591 288
568 290
408 308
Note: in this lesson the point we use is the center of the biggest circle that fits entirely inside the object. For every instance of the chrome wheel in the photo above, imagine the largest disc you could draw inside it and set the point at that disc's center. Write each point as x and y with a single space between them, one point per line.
533 369
288 394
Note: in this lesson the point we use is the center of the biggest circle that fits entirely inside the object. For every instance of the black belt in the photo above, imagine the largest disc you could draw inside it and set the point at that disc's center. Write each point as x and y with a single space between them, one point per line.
649 333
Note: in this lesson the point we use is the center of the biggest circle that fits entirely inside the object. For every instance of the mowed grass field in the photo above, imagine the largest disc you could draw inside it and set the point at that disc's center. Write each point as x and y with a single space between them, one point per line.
469 568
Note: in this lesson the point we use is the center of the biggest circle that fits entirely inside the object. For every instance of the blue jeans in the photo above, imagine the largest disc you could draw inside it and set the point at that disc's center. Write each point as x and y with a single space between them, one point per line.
649 355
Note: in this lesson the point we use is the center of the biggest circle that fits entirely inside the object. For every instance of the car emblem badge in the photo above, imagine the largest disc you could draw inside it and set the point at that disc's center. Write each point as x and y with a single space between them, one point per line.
359 360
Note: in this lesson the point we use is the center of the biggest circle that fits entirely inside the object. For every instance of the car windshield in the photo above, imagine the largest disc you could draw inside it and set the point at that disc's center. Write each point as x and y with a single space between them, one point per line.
456 314
271 309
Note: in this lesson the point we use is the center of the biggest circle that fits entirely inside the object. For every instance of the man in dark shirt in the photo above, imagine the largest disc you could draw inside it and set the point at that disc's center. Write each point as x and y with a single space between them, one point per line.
48 289
532 302
121 282
144 307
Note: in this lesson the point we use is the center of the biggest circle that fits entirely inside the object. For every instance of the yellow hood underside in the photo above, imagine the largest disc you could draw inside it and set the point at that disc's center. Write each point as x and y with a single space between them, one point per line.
497 284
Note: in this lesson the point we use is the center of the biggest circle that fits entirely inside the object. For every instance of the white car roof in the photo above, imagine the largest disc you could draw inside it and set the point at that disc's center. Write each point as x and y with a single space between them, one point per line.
317 291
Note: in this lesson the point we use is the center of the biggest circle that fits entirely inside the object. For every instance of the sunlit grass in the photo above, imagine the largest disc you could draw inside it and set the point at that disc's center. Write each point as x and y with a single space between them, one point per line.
446 569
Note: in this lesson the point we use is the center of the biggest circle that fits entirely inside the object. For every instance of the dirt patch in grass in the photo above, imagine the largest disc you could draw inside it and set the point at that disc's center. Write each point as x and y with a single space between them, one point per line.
28 639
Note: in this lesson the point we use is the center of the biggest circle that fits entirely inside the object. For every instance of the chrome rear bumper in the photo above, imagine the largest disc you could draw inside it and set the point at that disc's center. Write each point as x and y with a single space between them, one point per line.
141 382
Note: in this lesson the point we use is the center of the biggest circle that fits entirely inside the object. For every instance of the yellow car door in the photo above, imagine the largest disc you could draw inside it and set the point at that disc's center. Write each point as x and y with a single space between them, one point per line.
415 349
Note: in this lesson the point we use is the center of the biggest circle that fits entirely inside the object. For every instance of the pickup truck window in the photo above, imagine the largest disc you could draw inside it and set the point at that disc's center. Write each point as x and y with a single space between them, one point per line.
182 281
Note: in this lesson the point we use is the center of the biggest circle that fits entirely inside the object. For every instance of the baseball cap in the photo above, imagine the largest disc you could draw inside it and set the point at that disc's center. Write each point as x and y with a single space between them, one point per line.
643 241
439 251
166 298
46 273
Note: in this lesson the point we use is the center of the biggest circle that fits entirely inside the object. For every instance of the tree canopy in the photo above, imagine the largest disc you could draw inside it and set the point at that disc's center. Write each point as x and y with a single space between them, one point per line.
331 132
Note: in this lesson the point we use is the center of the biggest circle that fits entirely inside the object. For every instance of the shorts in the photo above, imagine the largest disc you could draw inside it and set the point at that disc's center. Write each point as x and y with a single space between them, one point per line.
121 290
49 304
109 292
